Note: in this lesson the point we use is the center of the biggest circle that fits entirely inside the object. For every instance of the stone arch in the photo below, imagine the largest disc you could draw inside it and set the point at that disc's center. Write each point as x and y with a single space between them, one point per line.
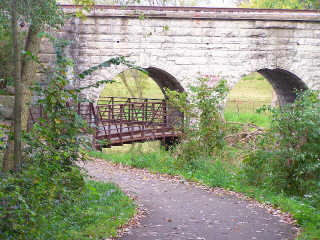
284 82
164 79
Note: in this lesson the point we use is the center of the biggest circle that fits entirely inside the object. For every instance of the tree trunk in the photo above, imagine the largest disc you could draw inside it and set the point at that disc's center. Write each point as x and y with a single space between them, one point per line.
27 76
123 77
29 71
7 163
136 76
18 89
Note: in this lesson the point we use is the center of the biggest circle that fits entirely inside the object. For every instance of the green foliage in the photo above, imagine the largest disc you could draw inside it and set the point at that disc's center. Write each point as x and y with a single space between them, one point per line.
5 57
56 135
287 158
38 13
282 169
280 4
27 200
204 127
86 6
2 137
50 176
91 212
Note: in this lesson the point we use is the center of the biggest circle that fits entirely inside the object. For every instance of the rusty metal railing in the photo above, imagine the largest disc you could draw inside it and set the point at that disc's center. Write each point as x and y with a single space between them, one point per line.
121 120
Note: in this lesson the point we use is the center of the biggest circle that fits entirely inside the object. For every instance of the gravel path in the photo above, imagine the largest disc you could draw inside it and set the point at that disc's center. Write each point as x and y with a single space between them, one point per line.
179 210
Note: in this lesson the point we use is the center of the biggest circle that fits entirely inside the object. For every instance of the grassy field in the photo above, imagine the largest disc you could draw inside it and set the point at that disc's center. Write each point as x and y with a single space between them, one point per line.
259 119
149 88
249 94
139 148
252 87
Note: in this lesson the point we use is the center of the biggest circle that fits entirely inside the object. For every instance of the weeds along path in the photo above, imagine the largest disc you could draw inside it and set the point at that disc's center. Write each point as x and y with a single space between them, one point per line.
178 210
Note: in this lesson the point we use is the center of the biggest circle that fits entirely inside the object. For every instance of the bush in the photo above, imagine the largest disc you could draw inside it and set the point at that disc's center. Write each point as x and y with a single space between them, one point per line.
27 199
287 158
204 127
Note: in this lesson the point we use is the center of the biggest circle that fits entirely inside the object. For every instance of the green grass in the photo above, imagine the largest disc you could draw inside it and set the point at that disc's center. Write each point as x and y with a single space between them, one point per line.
249 94
259 119
252 87
245 106
97 214
225 175
145 147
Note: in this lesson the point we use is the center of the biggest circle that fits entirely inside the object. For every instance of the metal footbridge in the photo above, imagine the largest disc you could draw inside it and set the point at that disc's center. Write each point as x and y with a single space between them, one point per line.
119 120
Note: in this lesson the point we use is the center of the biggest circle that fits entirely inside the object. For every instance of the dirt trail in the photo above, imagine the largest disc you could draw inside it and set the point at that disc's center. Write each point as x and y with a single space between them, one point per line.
178 210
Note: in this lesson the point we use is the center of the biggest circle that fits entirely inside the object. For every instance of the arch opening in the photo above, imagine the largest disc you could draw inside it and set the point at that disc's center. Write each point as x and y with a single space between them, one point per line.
284 84
164 79
264 87
136 99
249 94
132 83
154 83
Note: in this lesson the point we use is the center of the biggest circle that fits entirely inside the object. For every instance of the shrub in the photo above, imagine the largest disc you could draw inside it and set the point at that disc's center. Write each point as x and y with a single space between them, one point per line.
26 200
49 175
204 127
288 156
49 182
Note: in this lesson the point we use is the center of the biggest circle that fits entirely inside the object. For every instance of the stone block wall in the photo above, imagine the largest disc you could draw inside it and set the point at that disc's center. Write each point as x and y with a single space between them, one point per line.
187 43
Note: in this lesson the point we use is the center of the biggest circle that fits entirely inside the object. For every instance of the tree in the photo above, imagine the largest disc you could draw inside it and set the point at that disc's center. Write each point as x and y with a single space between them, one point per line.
46 13
18 88
281 4
37 15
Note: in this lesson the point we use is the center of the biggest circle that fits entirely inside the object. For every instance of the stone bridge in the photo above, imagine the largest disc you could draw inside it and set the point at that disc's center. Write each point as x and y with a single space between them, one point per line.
178 45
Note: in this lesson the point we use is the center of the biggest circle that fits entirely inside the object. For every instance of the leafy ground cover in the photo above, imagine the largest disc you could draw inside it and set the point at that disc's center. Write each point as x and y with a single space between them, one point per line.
96 214
47 195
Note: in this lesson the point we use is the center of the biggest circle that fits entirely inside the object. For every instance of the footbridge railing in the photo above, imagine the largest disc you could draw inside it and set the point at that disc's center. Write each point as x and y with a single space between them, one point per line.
119 120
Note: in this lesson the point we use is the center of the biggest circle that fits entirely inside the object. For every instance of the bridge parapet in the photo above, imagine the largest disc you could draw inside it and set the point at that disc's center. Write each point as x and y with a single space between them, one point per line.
145 12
